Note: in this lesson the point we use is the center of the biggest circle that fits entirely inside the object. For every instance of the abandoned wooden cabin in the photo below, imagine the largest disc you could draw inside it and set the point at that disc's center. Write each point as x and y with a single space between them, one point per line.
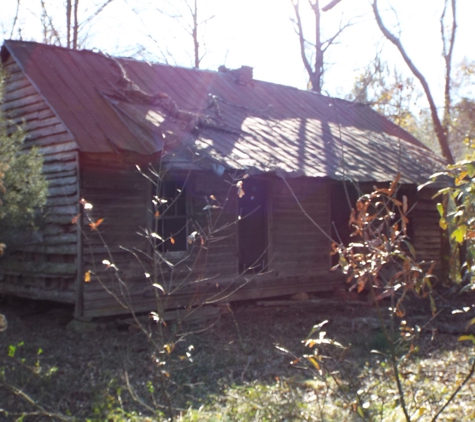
242 163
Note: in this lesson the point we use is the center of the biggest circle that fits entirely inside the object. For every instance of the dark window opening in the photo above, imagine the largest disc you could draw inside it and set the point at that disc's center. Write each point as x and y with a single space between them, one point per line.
343 200
252 227
171 216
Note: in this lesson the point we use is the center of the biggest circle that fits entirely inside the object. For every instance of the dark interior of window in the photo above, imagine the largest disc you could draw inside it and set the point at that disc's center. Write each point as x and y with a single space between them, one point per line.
252 226
343 200
172 220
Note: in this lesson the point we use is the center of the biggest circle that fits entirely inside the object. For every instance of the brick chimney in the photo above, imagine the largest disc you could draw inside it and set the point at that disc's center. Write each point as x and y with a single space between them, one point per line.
243 76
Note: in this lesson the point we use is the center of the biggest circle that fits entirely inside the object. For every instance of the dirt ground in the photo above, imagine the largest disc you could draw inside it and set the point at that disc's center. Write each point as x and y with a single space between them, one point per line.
85 370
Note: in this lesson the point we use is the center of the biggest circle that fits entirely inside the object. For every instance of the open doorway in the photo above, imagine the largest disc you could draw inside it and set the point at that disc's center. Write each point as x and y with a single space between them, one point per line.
252 226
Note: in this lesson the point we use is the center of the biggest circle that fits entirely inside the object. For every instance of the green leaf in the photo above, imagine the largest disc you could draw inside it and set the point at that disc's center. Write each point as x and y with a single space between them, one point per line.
469 337
471 322
11 350
360 412
471 169
433 306
440 208
459 233
410 247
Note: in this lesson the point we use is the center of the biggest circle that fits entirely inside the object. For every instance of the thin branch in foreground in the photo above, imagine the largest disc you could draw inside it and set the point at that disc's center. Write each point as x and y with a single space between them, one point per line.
456 391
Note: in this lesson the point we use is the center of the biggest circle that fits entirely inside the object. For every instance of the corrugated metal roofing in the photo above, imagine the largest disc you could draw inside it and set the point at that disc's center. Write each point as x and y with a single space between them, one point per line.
115 104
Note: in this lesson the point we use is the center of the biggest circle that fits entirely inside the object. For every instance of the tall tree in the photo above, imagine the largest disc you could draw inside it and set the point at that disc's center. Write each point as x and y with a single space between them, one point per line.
186 18
66 25
313 52
448 31
387 91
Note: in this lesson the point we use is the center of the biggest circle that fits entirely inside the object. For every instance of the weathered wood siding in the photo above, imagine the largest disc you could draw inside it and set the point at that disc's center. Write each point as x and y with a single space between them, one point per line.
122 197
299 247
426 230
118 194
45 269
298 252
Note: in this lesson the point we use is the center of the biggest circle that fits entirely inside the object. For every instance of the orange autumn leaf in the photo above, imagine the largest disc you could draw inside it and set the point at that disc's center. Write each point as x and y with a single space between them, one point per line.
157 214
172 240
87 277
95 225
75 218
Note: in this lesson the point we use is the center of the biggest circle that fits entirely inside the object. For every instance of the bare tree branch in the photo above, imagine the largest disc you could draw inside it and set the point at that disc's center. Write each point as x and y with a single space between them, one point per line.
75 25
330 5
49 30
316 69
440 130
447 51
300 34
15 18
96 13
332 40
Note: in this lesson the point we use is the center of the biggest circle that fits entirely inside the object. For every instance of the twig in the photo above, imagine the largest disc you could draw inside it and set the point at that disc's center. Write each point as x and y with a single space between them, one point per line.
459 387
42 410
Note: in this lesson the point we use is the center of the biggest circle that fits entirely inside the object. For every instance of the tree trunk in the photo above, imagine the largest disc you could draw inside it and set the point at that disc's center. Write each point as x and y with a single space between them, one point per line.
76 25
440 131
68 23
317 76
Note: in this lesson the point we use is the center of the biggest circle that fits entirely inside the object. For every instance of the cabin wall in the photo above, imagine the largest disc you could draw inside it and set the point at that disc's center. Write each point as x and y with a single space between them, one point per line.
427 234
118 194
299 246
45 267
297 254
121 196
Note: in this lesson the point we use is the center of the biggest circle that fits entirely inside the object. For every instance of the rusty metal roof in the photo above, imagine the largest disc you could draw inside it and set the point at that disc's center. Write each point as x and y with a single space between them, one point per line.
119 105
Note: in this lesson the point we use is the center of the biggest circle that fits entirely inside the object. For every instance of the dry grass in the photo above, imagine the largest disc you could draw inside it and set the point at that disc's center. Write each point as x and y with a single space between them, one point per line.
235 371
